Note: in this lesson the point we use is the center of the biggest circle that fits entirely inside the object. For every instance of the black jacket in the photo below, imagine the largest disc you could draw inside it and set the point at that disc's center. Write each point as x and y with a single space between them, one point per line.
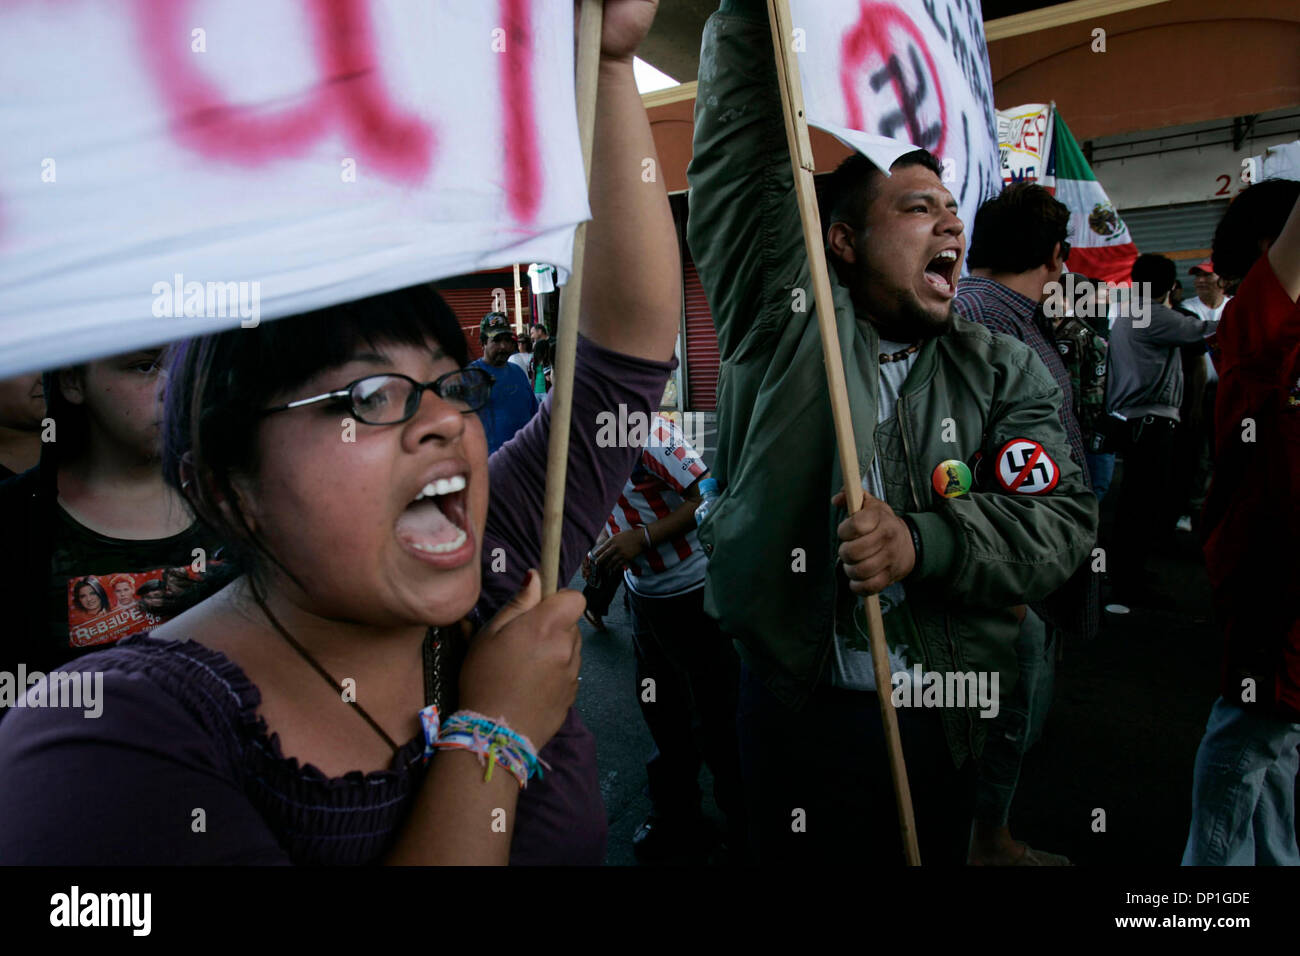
27 513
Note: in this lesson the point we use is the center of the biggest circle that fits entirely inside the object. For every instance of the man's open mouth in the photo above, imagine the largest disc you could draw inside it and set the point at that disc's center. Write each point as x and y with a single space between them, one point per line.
941 271
436 521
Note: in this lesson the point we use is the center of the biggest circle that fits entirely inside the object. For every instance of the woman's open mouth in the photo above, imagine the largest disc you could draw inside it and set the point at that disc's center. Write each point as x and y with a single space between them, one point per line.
435 525
940 271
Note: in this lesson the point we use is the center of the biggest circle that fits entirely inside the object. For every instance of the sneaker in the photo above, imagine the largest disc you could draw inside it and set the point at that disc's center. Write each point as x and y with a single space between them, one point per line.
1184 523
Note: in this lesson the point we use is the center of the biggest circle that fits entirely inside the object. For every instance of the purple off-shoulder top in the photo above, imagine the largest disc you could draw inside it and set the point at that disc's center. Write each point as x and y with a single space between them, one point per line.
179 731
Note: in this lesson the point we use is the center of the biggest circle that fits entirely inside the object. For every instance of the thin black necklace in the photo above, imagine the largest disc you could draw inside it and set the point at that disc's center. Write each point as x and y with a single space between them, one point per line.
431 651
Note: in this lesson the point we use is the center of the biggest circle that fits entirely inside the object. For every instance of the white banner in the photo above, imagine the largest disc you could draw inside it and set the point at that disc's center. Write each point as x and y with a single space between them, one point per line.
1278 162
880 73
1025 143
170 168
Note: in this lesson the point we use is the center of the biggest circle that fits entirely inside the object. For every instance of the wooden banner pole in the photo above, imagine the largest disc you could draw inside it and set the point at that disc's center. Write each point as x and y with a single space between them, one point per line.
801 158
557 453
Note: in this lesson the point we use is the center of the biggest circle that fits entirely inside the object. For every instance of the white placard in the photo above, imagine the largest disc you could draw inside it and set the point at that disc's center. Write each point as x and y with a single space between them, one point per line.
1025 143
226 157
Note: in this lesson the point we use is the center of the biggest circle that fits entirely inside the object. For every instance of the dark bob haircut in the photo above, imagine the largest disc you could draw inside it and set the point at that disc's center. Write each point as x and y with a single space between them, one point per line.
218 386
1017 229
1257 213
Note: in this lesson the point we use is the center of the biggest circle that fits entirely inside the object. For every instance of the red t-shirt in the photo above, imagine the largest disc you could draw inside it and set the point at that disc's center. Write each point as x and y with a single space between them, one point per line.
1253 549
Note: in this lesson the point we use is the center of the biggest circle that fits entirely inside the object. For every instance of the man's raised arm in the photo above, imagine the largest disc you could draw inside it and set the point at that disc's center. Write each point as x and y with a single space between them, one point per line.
744 230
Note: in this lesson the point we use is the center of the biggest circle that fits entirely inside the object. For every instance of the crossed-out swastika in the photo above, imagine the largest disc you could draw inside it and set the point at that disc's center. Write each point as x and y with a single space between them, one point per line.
1025 468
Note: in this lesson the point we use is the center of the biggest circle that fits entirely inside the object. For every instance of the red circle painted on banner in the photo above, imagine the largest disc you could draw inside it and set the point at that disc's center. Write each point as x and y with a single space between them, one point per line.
871 38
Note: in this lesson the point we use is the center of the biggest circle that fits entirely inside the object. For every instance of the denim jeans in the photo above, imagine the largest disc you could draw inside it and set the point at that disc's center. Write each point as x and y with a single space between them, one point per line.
1101 469
1243 791
1018 723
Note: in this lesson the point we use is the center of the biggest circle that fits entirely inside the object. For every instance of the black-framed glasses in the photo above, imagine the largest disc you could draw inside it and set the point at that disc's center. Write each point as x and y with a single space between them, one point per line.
391 399
1065 249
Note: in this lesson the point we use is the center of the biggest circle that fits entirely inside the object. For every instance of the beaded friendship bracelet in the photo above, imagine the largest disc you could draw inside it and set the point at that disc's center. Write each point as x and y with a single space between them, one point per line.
492 740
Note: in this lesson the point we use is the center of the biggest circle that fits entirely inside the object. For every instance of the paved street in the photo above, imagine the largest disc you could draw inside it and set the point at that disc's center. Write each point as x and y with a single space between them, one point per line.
608 704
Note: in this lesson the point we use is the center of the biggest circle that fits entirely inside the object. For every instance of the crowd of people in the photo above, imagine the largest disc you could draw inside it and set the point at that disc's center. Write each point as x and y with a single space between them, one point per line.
1005 566
309 587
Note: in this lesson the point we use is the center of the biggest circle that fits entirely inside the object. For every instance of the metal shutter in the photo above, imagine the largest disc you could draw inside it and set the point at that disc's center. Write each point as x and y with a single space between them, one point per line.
1174 228
701 344
471 304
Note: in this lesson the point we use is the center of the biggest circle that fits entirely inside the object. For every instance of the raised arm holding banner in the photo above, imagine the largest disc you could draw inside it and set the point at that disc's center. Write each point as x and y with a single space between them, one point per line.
947 548
890 94
792 104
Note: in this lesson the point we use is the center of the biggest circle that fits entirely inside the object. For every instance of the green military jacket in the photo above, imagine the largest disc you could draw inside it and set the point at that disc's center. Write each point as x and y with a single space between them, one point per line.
773 581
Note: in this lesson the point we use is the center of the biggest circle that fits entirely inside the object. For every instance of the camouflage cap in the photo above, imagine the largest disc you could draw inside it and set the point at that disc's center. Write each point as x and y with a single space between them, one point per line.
495 323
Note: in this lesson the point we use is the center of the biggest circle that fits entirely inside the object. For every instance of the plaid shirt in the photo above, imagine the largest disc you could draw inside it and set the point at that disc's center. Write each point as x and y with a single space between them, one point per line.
1004 310
1075 606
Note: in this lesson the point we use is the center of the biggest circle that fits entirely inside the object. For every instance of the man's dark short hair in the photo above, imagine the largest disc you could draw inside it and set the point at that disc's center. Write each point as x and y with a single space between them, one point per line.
1017 229
855 183
1258 212
1159 271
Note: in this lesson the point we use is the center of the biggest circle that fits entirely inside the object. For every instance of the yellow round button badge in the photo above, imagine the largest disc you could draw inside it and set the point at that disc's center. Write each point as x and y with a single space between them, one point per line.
951 478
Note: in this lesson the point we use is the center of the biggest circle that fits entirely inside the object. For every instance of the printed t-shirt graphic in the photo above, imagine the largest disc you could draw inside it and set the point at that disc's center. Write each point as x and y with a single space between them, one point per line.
103 609
103 589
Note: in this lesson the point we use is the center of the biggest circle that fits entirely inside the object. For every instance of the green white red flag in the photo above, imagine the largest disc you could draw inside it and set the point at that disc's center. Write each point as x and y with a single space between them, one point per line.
1100 244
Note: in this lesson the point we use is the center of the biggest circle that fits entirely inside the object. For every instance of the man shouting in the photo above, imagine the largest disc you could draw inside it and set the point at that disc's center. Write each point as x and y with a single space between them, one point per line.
931 396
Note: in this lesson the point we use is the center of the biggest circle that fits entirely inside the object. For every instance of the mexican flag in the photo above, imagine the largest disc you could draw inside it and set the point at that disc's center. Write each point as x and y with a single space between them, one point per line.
1100 246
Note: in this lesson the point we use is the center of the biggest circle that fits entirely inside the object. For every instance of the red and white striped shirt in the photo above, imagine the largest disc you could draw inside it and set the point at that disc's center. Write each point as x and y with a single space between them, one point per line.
667 467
